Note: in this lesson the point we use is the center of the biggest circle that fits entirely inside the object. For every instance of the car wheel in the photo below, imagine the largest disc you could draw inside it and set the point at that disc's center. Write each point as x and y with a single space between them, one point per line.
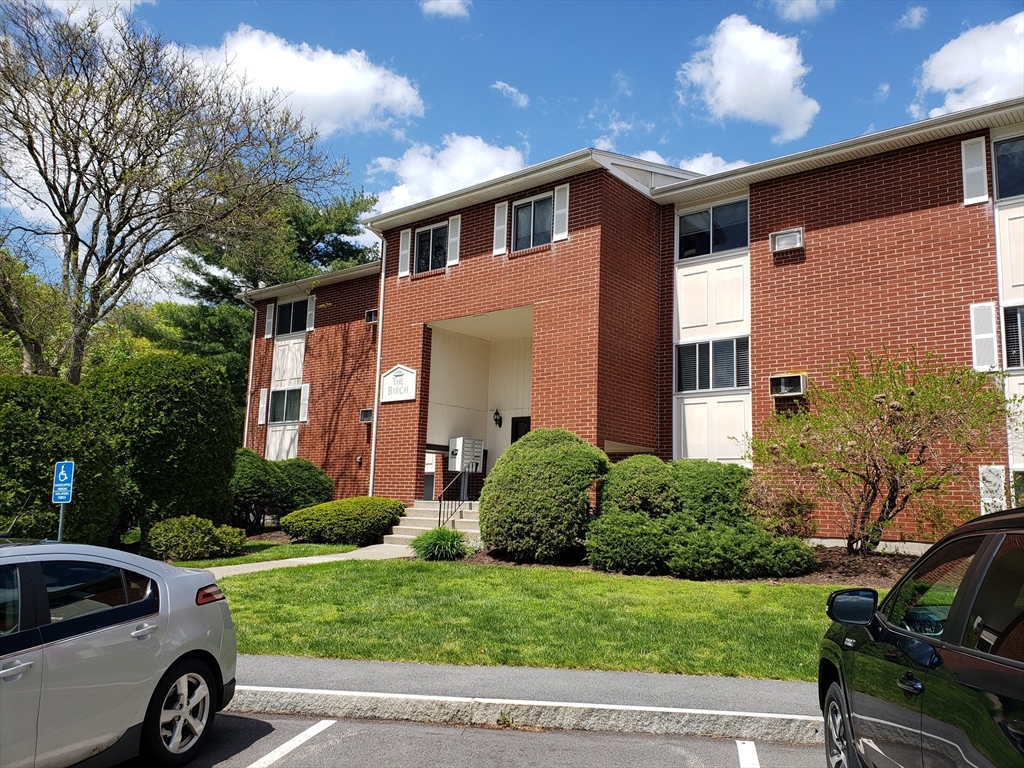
180 714
838 739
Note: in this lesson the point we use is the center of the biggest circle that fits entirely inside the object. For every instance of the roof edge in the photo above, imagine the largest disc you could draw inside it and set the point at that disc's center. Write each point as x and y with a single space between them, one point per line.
309 283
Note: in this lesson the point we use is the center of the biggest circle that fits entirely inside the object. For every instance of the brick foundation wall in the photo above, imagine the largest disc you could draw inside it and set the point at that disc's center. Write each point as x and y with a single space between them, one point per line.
893 260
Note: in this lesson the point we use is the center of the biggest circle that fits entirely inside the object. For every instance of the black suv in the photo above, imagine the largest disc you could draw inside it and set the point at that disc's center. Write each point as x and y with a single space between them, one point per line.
934 676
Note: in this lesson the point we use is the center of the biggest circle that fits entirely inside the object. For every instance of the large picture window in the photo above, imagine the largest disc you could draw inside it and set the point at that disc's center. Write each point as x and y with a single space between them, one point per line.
431 248
532 223
1009 157
707 365
720 228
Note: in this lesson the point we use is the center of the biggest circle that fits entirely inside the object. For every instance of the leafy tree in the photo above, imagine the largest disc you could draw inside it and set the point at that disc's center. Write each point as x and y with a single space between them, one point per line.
295 238
886 435
116 149
175 436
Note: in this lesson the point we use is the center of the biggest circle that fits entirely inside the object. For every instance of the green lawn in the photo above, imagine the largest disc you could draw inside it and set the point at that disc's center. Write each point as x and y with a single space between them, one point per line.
452 613
259 551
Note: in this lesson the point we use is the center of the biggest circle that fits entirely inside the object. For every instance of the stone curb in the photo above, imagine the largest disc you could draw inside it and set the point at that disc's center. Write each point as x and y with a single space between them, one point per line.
569 716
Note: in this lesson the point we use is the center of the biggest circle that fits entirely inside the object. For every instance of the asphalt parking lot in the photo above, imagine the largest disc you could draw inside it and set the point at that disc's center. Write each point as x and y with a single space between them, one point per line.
271 741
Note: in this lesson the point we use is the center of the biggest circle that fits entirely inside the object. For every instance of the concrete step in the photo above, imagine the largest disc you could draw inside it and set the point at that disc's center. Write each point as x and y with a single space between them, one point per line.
469 506
431 514
418 526
404 536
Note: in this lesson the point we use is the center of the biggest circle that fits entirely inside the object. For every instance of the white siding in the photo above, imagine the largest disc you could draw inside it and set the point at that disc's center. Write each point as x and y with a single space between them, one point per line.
288 354
713 427
1015 388
282 442
458 387
1010 247
511 370
712 299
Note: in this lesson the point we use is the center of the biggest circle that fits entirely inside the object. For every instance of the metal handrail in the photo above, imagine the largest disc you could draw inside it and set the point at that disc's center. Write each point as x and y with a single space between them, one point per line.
454 505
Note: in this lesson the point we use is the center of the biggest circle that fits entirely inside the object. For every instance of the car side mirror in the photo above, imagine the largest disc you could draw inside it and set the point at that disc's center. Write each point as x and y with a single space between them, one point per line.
852 606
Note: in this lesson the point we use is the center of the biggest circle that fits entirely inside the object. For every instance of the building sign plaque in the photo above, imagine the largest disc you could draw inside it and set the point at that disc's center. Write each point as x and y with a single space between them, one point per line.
398 384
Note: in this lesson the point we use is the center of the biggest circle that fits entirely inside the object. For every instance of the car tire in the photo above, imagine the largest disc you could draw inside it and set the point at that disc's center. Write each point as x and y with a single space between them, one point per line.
839 750
180 714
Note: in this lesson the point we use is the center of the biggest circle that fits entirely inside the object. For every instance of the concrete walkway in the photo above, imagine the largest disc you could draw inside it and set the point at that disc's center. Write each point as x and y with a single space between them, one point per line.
374 552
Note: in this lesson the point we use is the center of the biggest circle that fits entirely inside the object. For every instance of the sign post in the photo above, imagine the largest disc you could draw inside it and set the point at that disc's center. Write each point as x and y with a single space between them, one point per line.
63 480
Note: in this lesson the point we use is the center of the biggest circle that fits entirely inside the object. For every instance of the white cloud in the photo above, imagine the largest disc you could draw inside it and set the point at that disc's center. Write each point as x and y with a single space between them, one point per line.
518 98
424 171
622 84
651 157
882 93
708 164
614 125
981 66
914 18
749 73
450 8
341 92
802 10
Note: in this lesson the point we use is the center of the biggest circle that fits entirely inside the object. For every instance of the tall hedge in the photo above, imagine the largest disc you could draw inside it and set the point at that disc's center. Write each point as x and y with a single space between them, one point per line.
535 503
641 483
42 421
712 492
175 436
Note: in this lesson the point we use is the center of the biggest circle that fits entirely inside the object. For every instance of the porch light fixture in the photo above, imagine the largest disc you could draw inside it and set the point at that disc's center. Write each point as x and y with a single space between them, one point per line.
497 418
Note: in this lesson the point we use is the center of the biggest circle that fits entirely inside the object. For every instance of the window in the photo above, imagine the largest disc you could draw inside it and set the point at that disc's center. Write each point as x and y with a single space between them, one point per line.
922 601
79 588
532 222
432 248
996 622
720 228
1009 158
722 364
9 600
284 405
291 317
1013 327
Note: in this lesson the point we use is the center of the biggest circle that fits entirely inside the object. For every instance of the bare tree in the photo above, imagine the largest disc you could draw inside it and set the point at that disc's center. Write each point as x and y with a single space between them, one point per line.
115 148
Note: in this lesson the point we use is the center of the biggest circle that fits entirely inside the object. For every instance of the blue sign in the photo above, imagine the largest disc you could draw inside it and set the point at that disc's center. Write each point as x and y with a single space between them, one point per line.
63 478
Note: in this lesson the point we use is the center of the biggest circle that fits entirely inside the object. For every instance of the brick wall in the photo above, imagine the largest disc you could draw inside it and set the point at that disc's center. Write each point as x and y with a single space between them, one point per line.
893 259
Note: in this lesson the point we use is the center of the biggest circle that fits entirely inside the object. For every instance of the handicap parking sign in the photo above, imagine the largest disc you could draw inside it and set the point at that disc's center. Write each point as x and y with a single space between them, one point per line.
63 478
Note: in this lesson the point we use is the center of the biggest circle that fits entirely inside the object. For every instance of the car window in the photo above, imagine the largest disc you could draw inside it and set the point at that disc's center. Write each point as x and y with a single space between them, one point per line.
996 622
77 588
139 587
922 601
10 608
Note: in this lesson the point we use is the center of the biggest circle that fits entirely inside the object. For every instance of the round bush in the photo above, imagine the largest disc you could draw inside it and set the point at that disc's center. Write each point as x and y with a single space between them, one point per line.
173 423
258 488
711 491
745 551
535 503
44 420
628 542
440 544
305 483
641 483
362 520
193 538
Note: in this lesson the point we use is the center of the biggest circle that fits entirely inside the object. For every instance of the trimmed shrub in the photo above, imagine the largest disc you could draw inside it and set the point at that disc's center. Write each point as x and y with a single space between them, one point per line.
712 492
782 510
745 551
306 485
641 483
193 538
258 488
44 420
361 521
535 503
175 435
628 542
440 544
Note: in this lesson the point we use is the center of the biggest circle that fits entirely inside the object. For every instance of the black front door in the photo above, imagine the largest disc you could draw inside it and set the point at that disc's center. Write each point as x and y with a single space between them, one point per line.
520 426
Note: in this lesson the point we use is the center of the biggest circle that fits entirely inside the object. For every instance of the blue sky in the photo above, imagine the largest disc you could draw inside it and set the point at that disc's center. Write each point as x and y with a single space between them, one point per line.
425 97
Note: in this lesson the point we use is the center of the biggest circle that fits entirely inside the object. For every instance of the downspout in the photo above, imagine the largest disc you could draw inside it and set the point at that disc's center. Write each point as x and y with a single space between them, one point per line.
380 344
252 354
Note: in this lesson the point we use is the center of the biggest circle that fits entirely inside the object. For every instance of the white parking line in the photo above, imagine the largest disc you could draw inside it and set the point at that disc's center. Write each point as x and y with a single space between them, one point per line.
748 754
288 746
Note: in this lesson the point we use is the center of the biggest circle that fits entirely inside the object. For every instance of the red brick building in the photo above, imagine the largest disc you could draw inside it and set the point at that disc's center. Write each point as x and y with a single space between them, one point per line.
646 308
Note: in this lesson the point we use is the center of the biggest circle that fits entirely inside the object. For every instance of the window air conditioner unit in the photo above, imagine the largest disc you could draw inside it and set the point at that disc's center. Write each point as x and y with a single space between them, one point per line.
371 317
786 240
788 384
366 416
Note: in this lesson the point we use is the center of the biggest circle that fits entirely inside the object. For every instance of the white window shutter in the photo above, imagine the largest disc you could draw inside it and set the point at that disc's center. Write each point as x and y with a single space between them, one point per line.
404 247
972 153
261 417
304 404
500 228
268 328
310 311
983 336
992 480
561 222
454 227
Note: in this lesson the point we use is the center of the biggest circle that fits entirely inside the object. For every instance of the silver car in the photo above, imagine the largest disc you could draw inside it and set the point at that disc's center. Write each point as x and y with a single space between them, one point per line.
104 655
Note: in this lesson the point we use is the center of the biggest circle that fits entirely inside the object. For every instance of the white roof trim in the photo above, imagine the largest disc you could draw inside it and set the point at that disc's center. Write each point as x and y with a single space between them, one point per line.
307 284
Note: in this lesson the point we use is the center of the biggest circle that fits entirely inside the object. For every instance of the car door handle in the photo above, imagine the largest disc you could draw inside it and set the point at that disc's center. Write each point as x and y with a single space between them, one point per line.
910 685
17 670
144 631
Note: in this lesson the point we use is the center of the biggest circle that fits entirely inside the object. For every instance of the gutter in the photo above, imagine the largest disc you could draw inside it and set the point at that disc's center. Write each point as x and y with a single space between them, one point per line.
252 354
380 345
